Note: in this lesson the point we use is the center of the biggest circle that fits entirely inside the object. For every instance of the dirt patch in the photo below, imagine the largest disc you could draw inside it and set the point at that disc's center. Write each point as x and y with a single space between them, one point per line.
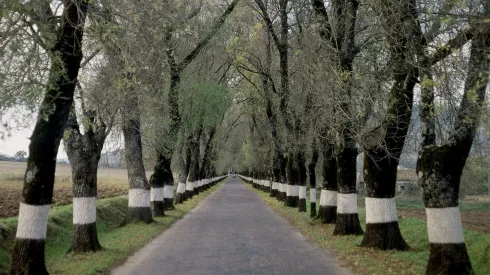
473 220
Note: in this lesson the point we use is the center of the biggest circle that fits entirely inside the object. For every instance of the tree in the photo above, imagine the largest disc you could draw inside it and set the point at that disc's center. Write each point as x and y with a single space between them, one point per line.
327 213
440 166
62 39
341 37
383 145
312 176
176 68
20 156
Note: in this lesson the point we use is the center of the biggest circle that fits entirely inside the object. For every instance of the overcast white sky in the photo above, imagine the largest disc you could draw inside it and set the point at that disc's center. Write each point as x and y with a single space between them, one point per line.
16 129
19 141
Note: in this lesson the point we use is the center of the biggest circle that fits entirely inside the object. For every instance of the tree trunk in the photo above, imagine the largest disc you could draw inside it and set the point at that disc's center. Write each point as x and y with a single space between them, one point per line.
382 230
162 183
276 180
184 164
192 180
384 144
283 182
440 167
28 250
327 213
301 159
312 174
292 191
139 209
84 153
347 222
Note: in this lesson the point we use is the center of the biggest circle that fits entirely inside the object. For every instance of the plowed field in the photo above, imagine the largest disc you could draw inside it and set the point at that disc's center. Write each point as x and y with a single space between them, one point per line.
111 182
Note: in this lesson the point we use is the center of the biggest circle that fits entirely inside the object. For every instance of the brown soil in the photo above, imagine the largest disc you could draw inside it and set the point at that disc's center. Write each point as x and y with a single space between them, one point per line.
472 220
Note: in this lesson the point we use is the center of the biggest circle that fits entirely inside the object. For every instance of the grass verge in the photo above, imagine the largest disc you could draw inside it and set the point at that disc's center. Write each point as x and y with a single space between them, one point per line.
118 242
370 261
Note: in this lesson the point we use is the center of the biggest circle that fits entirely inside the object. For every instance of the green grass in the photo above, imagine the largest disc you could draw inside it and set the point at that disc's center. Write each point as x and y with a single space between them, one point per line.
119 242
416 203
370 261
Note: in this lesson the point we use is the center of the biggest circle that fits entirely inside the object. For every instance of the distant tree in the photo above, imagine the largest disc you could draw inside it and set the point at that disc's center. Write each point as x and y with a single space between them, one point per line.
20 156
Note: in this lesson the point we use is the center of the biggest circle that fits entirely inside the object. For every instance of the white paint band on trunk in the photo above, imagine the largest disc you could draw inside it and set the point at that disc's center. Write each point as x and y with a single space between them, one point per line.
267 183
313 195
156 194
189 186
32 222
84 210
380 210
168 192
347 203
302 192
181 188
199 183
274 185
444 225
292 190
328 198
284 187
139 198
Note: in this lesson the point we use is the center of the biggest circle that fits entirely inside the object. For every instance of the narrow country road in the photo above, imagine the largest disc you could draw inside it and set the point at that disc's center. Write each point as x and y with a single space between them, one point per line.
231 232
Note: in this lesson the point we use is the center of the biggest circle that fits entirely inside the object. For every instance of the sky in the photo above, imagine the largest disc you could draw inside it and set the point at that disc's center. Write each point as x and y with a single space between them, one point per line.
19 141
16 129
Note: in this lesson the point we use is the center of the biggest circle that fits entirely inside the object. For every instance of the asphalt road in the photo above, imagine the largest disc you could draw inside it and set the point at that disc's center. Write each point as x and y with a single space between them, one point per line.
231 232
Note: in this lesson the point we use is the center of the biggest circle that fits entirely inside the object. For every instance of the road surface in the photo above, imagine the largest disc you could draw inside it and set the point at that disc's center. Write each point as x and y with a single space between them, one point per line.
231 232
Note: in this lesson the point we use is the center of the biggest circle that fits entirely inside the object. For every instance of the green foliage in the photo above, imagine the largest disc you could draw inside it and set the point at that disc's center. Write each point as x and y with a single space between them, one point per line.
203 104
474 178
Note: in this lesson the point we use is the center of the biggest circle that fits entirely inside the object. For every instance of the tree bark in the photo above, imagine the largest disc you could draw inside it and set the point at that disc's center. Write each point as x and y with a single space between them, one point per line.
347 222
84 154
312 174
341 37
301 159
139 209
184 164
292 191
440 167
66 56
191 186
384 144
276 177
162 185
327 213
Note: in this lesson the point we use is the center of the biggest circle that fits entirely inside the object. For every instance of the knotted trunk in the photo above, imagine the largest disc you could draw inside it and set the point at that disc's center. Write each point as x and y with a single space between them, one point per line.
84 154
139 189
37 193
440 167
439 171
